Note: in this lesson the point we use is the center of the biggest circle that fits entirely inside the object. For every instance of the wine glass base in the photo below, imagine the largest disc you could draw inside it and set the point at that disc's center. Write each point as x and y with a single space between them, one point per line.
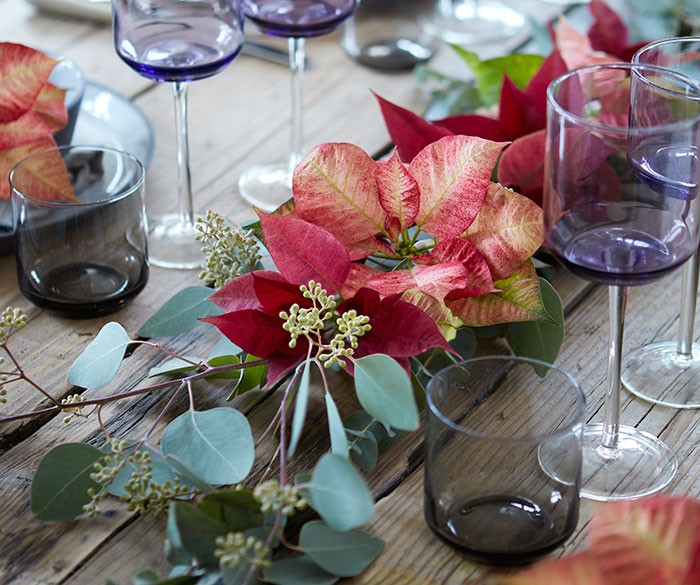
477 22
172 244
266 186
658 373
641 465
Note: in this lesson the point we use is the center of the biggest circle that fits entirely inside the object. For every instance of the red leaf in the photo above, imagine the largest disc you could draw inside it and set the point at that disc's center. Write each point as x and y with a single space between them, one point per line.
508 230
360 250
357 278
649 541
398 192
579 569
23 73
516 113
303 251
276 294
575 48
608 32
474 125
536 89
478 279
437 280
408 131
50 182
399 329
29 127
239 293
453 175
51 106
257 333
335 187
521 166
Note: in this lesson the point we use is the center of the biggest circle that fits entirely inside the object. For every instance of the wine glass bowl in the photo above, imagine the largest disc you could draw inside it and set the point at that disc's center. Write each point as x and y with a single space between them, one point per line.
177 41
666 372
268 186
621 209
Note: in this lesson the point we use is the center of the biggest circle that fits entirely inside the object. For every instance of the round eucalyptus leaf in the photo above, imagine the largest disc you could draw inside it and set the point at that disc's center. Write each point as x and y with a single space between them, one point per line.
297 571
99 362
384 391
339 494
194 532
345 554
339 440
180 313
160 472
60 484
217 444
300 406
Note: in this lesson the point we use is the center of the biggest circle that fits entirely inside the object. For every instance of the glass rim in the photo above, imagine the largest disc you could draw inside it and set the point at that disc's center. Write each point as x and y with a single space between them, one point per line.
123 194
575 419
630 67
659 43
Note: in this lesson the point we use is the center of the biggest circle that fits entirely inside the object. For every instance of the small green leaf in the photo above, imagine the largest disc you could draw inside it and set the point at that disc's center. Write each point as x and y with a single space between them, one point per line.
99 362
346 554
180 313
196 532
297 571
215 444
190 477
339 440
60 484
253 377
540 339
384 391
173 366
339 494
300 406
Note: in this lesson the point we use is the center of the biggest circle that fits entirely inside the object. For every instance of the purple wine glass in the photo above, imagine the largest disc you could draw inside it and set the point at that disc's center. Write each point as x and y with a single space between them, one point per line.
621 208
667 372
177 41
269 186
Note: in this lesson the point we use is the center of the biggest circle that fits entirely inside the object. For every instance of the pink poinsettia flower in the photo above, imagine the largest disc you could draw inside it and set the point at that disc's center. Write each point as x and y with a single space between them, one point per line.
521 114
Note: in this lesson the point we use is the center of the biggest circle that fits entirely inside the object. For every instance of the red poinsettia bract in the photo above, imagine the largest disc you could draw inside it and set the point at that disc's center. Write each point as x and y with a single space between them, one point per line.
420 249
521 115
31 110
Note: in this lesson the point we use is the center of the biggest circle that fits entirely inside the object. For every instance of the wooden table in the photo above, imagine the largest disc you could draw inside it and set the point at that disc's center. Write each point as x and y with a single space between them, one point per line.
238 118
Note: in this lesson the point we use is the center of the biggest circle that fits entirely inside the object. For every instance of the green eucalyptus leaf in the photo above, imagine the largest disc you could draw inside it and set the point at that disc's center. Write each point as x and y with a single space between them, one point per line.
364 423
173 366
366 433
297 571
149 577
300 406
237 575
189 476
60 484
339 440
217 444
339 494
237 510
384 391
196 532
254 376
346 554
224 347
180 313
225 360
99 362
540 339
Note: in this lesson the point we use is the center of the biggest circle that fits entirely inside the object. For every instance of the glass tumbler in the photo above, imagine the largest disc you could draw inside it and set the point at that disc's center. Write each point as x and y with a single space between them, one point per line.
503 457
81 249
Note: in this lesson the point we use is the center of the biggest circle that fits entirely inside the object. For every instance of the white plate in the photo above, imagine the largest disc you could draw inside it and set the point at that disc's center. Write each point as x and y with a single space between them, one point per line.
105 119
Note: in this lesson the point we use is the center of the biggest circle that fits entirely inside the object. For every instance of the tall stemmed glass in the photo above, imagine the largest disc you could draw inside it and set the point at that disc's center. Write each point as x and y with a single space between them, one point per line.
668 372
621 208
177 41
269 186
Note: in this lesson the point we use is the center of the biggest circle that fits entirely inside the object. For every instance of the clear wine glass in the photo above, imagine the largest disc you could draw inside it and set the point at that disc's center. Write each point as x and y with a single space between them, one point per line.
470 22
667 372
177 41
269 186
621 209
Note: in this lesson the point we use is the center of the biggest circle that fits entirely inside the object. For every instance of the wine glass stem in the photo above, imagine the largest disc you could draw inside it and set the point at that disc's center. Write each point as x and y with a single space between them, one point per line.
184 177
689 291
296 67
611 420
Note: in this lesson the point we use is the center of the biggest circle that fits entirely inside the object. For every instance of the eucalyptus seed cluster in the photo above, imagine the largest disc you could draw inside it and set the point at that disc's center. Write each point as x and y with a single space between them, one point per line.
350 327
142 493
236 547
274 497
228 252
73 411
10 320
